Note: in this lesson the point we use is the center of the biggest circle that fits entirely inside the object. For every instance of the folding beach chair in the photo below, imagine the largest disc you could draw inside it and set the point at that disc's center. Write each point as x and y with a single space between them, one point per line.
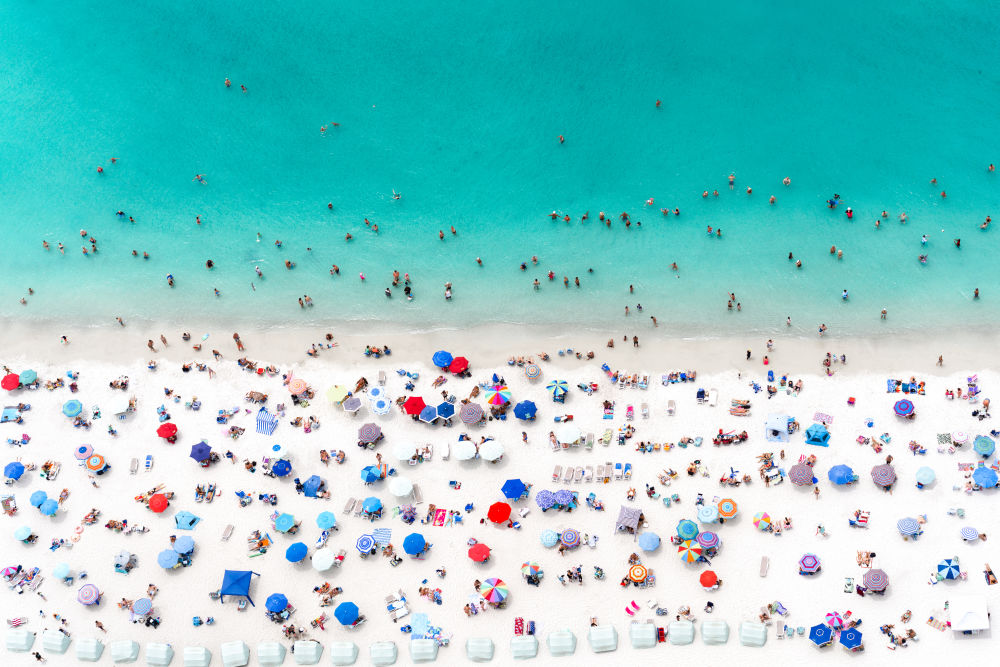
418 497
227 533
134 466
600 473
568 477
589 474
590 441
349 507
579 474
556 473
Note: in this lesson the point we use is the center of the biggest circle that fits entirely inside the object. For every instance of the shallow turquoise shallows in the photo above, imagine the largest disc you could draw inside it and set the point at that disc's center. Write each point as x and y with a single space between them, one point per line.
459 107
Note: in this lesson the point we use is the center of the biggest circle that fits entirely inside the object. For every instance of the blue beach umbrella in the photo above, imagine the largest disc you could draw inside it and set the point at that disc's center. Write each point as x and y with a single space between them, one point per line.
326 520
908 526
346 612
311 486
61 571
365 543
850 638
428 414
72 408
545 499
281 468
296 552
49 507
446 410
948 569
37 498
142 606
414 544
649 541
563 497
284 522
370 474
22 533
925 475
687 529
28 376
371 504
276 603
201 452
903 407
549 538
525 410
985 477
984 446
442 359
821 634
184 544
841 474
168 559
13 470
708 514
513 489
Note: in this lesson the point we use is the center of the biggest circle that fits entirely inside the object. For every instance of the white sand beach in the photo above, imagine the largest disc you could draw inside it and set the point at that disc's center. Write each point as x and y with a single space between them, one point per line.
99 357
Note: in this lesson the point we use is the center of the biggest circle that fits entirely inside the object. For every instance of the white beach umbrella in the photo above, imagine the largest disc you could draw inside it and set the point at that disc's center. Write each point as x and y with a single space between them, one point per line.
491 450
270 654
400 487
465 450
568 434
323 559
404 451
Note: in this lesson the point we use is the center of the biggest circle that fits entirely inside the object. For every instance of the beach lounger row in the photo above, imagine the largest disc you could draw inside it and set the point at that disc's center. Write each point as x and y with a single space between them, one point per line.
604 474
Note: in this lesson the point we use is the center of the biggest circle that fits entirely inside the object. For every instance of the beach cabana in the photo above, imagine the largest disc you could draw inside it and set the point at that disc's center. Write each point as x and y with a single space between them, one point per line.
821 634
236 583
642 635
89 649
561 642
234 654
969 614
753 634
628 520
479 649
776 428
524 647
818 435
680 633
714 633
198 656
158 653
266 422
270 654
343 653
54 641
307 652
423 650
602 638
841 474
19 640
383 654
127 650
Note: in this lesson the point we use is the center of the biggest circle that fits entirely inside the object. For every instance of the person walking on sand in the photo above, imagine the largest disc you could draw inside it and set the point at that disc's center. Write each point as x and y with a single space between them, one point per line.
239 342
940 361
163 339
149 344
100 626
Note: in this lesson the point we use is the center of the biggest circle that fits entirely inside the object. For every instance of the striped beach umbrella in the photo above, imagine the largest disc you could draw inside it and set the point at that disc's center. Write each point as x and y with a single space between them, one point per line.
903 408
533 371
949 569
549 538
959 437
365 543
531 569
876 580
570 538
83 452
72 408
727 508
809 564
801 475
637 573
687 529
557 388
689 551
545 499
142 606
95 462
969 533
88 594
297 386
494 590
381 406
479 552
883 475
471 413
908 526
708 514
707 539
834 620
984 446
498 395
762 520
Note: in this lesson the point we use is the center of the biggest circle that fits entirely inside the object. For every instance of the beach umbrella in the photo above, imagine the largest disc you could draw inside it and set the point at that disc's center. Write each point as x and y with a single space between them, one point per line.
689 551
296 552
494 590
400 487
49 507
346 612
563 497
809 564
499 512
557 388
969 533
570 538
381 407
13 470
158 503
707 539
142 606
414 544
498 395
985 477
284 522
413 405
549 538
323 560
533 371
708 514
326 520
428 414
762 520
8 571
727 508
820 635
649 541
281 468
72 408
442 359
168 558
960 437
365 544
370 474
22 533
545 499
371 505
185 520
479 552
948 569
876 580
513 489
446 410
465 450
405 451
311 487
10 382
840 474
908 526
184 544
708 579
123 557
471 413
37 498
88 594
201 452
167 430
687 529
637 573
352 404
525 410
491 450
984 446
61 571
568 434
95 462
883 475
297 386
925 475
458 365
903 408
850 639
531 569
337 393
834 620
369 433
83 452
801 475
28 376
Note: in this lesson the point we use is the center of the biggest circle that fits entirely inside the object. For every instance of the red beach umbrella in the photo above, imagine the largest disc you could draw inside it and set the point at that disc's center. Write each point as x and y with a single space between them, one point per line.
499 512
459 365
708 579
413 405
479 552
158 502
167 430
11 381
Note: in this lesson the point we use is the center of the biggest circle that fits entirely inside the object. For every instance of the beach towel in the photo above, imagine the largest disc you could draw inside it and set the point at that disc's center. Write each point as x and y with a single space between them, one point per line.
382 536
439 517
266 422
944 438
822 418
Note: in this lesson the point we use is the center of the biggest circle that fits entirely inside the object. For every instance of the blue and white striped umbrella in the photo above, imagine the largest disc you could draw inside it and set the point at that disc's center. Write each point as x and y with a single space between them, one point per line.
142 606
708 514
949 569
969 533
365 543
908 526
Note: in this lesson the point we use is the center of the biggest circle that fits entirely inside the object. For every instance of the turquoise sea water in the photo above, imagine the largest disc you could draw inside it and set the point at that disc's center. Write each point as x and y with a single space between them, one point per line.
459 106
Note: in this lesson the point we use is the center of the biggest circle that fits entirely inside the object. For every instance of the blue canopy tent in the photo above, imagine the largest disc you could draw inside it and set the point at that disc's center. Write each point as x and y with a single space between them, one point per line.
818 435
312 485
236 583
281 468
525 410
821 634
513 489
841 474
776 428
276 603
185 520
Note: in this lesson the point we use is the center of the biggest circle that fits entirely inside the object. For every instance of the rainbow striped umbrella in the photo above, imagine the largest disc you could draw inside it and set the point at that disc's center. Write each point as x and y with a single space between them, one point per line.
689 551
835 620
533 371
531 569
876 580
88 594
762 520
498 395
570 538
494 590
727 508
